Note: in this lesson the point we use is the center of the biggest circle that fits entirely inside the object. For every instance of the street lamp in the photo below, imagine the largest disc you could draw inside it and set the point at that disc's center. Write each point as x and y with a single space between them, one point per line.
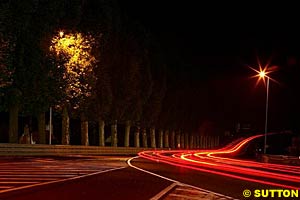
263 74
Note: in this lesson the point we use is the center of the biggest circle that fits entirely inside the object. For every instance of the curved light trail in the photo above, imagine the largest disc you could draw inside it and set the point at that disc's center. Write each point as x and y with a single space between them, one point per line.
219 162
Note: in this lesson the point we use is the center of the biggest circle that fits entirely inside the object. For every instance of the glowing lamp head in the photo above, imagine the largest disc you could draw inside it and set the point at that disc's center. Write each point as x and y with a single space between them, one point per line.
61 33
262 74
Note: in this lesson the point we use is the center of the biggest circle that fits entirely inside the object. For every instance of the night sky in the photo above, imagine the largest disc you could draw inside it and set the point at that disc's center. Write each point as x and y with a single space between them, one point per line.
213 45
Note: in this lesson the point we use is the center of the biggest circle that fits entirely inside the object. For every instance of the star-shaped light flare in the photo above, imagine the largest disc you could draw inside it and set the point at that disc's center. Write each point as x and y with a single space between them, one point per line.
263 73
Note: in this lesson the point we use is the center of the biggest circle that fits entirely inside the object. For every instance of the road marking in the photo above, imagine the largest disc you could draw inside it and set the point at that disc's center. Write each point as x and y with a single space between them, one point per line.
164 191
177 182
31 172
184 197
29 178
59 181
5 187
17 182
43 173
37 175
43 170
185 190
129 163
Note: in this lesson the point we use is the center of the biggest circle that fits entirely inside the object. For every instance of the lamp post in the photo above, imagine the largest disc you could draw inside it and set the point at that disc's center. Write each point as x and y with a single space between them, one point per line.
262 74
50 125
267 105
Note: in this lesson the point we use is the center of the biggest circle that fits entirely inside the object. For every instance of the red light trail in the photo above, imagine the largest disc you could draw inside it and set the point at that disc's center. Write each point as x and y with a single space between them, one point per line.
218 162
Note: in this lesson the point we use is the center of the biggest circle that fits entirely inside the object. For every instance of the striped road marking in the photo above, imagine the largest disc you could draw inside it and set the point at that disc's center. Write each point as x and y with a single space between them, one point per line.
30 172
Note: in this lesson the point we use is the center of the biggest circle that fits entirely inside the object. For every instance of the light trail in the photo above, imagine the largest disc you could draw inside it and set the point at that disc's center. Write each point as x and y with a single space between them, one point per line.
217 162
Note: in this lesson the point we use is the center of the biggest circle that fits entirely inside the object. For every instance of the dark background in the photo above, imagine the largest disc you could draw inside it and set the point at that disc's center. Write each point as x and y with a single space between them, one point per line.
212 46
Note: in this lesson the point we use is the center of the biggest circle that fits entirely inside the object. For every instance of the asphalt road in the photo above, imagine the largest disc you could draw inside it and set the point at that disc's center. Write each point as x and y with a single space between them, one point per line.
214 183
110 178
67 178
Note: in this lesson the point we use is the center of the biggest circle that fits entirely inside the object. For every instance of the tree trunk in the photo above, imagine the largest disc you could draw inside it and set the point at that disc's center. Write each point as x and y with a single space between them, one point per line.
182 140
127 133
198 141
160 138
65 127
186 139
172 142
177 139
201 142
13 123
204 141
101 124
166 139
137 137
114 134
144 138
152 137
42 128
212 141
84 124
191 141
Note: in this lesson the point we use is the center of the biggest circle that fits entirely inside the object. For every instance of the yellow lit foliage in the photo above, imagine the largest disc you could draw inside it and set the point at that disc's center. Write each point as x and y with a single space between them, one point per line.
76 49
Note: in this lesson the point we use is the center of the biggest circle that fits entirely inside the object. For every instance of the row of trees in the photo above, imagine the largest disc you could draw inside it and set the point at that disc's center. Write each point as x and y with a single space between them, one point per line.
88 60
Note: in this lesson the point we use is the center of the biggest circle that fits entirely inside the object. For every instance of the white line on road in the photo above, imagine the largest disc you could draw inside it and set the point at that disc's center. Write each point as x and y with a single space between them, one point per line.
51 170
129 163
177 182
38 175
5 187
18 182
27 179
59 181
164 191
184 197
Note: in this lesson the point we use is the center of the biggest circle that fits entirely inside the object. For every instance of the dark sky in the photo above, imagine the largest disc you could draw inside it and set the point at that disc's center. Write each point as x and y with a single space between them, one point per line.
218 35
214 43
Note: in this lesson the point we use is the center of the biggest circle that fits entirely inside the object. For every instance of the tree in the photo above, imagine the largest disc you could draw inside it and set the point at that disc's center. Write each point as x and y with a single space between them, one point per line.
139 85
127 62
153 107
102 19
76 49
6 80
35 82
6 69
15 24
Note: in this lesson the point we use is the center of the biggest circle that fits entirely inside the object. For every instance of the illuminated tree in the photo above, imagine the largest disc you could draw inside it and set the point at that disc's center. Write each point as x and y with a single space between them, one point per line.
76 50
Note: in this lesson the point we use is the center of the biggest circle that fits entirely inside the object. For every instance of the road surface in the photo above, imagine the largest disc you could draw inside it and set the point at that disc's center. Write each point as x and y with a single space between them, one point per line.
153 175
